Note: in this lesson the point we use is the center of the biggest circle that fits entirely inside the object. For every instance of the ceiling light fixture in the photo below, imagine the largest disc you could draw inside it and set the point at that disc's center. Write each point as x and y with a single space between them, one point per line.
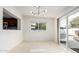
38 11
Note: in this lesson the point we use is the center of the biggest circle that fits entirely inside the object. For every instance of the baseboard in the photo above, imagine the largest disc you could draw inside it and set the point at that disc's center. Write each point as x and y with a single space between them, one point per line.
38 40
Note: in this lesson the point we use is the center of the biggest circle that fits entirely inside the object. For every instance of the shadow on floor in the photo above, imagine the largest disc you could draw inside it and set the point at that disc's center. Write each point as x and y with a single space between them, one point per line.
75 49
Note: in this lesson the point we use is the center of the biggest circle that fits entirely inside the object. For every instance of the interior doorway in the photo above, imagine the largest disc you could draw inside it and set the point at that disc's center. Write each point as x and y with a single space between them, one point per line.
10 21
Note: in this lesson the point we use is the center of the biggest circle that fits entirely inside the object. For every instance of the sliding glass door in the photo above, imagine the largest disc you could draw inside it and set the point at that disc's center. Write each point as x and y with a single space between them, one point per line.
63 31
69 31
73 31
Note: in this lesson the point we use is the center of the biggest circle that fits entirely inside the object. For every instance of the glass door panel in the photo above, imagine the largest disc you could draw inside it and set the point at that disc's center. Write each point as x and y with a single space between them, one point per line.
63 31
73 32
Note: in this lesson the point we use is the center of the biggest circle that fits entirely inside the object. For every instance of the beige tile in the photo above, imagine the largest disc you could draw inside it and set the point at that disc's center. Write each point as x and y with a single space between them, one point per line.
38 47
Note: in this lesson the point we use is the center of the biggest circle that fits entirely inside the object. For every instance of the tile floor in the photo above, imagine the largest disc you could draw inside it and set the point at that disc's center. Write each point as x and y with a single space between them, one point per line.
39 47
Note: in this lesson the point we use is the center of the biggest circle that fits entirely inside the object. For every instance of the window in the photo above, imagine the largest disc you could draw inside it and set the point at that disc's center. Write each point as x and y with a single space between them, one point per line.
38 26
34 26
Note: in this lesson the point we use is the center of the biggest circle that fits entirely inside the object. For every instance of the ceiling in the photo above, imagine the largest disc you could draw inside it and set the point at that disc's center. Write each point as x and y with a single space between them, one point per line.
52 11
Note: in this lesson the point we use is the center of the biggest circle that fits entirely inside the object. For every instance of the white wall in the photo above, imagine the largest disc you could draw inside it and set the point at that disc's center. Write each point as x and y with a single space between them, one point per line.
14 11
55 29
38 34
9 38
